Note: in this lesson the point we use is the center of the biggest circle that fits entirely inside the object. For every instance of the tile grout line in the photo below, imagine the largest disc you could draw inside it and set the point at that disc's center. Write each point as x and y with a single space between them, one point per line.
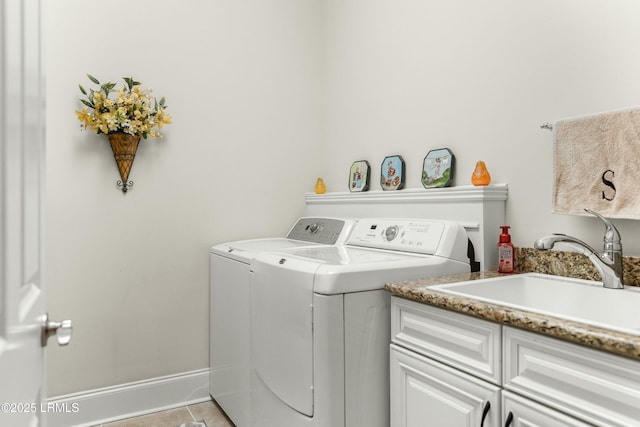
190 413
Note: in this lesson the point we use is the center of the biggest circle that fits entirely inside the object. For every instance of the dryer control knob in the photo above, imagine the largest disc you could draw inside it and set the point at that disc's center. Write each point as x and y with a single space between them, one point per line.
391 233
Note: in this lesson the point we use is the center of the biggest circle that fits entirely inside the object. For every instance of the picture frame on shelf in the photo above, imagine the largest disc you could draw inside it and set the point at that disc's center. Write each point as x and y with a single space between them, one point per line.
392 173
359 176
438 168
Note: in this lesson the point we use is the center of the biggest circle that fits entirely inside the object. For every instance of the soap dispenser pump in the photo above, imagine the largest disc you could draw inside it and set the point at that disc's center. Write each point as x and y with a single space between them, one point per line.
505 251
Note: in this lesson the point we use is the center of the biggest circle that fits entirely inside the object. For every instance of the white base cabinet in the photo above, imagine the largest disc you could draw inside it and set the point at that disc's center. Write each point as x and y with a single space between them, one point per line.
453 370
427 393
518 411
599 388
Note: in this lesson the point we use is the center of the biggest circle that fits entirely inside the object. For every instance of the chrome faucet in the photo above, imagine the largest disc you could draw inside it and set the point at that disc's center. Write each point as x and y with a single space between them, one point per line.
609 263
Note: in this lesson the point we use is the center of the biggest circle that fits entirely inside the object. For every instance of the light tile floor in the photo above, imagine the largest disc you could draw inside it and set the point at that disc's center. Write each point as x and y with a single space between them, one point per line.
207 411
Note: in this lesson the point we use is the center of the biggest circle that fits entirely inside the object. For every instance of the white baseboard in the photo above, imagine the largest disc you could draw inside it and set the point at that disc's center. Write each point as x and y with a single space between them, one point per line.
107 404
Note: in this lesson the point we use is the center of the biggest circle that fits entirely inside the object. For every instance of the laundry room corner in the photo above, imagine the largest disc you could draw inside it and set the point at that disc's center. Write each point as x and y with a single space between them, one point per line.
131 269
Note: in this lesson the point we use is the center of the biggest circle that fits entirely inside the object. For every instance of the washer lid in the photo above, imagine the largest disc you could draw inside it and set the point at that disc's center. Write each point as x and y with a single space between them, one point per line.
274 244
344 255
345 269
245 250
307 231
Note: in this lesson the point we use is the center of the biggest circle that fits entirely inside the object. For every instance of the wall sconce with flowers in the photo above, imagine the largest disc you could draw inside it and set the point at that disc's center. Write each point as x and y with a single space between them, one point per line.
124 118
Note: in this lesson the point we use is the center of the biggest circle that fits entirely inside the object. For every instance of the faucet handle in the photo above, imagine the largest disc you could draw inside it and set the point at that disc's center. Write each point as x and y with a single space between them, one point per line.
611 234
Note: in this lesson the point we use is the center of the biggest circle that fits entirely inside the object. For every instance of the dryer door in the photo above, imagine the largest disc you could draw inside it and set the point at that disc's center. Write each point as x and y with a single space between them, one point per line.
282 328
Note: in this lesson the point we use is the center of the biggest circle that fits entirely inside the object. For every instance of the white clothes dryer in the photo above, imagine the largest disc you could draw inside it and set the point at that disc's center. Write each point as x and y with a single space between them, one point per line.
320 321
230 307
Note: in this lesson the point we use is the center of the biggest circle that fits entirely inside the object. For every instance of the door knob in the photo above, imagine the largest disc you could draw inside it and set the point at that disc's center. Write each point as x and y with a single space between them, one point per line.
62 330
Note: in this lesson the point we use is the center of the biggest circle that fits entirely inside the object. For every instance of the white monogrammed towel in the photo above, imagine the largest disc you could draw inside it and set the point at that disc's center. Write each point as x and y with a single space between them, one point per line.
597 164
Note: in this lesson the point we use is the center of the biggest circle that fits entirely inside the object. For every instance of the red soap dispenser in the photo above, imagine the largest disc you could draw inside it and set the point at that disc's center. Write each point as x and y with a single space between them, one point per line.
505 251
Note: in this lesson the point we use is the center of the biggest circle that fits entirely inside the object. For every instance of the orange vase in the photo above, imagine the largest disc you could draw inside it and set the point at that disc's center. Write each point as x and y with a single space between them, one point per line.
320 188
480 175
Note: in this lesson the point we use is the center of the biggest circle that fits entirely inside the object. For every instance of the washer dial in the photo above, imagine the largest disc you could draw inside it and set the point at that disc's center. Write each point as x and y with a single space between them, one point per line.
391 232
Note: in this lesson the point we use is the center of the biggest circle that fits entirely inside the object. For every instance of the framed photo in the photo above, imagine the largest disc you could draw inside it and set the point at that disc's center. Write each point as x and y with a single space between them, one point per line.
437 168
392 173
359 176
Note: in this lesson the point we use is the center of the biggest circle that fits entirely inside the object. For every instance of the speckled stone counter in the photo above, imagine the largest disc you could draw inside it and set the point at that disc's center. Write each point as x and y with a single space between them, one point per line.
579 333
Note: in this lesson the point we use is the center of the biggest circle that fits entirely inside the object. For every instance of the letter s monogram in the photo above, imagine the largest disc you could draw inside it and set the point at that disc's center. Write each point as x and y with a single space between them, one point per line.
608 183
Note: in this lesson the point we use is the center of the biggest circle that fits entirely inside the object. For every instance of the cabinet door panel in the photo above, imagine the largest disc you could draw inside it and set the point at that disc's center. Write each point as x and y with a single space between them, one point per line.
601 388
426 393
526 413
469 344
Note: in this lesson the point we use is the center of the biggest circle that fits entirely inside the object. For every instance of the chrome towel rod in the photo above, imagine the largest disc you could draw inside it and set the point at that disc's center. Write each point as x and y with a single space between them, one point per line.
547 126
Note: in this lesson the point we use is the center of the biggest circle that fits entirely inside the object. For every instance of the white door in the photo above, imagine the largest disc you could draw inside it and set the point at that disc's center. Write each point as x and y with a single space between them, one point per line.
22 298
425 393
518 411
282 333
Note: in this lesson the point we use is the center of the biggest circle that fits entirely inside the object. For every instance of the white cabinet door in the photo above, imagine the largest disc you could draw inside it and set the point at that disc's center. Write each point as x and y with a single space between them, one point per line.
520 412
426 393
598 387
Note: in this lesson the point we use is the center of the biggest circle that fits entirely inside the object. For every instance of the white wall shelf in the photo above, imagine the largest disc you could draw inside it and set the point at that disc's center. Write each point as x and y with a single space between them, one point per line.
414 195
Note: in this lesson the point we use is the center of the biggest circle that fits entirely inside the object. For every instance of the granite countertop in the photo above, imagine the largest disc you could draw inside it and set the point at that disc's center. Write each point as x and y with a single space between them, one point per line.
603 339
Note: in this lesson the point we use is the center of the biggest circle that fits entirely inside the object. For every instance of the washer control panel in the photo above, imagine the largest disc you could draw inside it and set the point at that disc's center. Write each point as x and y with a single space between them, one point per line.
327 231
419 236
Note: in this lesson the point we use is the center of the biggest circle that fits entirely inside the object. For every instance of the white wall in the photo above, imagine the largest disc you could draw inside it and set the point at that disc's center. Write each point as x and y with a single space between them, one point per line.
267 95
480 77
131 271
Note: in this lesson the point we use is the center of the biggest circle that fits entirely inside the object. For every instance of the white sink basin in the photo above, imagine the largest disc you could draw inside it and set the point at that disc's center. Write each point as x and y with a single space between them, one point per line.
578 300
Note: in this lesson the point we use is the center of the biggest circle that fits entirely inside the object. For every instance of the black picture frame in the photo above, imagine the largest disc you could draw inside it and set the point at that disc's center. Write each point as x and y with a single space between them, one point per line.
359 174
438 168
392 173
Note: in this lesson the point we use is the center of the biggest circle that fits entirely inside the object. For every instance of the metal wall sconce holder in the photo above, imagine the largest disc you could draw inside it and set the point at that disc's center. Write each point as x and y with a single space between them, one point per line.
124 147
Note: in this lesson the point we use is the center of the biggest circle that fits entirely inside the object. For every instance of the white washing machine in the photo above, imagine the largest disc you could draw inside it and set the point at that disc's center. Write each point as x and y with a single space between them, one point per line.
320 321
230 307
